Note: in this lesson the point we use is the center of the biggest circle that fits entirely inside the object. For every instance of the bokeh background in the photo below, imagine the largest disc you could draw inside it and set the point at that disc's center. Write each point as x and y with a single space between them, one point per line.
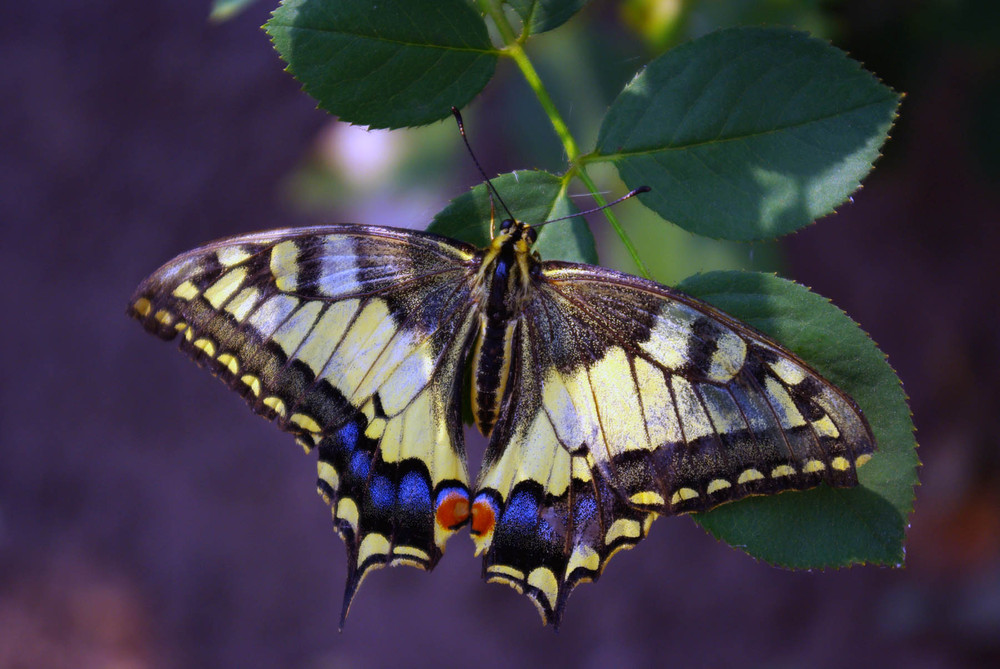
147 519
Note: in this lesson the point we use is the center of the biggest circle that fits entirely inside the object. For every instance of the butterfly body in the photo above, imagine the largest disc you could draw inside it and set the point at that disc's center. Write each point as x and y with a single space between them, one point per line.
608 399
504 283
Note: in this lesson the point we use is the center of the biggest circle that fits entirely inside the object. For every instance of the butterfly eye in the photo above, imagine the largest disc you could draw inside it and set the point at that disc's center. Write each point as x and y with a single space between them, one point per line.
531 235
505 224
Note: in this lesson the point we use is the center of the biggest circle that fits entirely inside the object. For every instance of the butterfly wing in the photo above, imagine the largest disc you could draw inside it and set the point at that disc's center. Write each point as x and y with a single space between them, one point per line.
629 401
352 338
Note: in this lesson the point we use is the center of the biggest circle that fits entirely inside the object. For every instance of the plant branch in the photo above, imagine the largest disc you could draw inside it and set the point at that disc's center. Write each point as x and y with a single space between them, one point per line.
514 49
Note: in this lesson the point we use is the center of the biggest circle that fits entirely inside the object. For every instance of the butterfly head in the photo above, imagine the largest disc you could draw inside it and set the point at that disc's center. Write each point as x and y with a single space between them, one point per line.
518 233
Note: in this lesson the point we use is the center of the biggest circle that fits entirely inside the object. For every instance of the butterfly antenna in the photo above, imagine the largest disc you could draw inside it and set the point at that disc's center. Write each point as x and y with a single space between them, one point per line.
492 189
630 194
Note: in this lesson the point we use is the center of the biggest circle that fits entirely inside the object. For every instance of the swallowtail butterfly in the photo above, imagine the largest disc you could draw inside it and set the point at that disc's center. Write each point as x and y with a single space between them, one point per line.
608 399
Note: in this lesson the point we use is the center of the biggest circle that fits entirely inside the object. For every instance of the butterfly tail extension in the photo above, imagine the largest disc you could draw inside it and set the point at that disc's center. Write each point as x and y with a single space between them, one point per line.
597 538
386 513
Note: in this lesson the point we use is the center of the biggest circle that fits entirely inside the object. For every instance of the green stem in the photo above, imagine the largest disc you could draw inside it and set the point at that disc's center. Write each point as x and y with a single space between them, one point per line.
514 49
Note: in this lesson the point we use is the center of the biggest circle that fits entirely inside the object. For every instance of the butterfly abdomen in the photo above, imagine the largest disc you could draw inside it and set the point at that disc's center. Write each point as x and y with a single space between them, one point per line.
491 367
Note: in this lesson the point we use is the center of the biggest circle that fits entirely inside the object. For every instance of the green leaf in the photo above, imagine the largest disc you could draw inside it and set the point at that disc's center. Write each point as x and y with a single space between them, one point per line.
748 133
533 197
223 10
391 64
823 527
542 15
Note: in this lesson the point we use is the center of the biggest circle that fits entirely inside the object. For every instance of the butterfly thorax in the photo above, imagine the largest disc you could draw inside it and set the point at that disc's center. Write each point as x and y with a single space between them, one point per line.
503 285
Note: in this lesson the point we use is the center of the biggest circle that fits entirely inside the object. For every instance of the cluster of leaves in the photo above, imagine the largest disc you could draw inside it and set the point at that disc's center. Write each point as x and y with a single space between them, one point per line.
744 134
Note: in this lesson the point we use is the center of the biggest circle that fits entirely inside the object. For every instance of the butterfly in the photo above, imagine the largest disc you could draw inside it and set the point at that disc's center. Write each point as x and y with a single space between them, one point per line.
607 399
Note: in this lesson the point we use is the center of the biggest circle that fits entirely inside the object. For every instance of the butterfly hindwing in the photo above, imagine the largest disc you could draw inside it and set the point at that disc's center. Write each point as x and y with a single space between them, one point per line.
631 401
352 339
543 518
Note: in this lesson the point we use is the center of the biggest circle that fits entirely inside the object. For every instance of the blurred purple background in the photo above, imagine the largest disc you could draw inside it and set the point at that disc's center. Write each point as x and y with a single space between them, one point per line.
147 519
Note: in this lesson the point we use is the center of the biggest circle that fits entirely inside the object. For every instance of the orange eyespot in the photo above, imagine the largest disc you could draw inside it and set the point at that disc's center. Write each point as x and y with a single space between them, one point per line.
483 517
452 508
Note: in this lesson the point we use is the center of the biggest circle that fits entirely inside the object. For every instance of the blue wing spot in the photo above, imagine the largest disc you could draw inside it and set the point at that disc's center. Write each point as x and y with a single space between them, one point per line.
414 493
521 514
347 436
360 465
585 509
382 492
